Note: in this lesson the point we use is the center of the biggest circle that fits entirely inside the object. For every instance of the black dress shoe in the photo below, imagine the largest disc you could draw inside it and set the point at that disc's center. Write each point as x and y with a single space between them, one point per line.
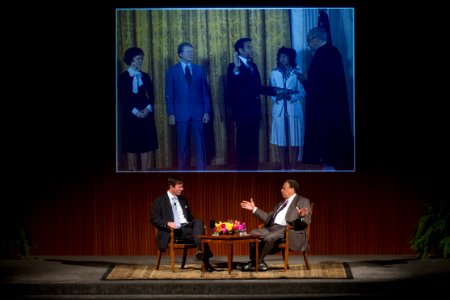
262 267
209 268
199 255
249 267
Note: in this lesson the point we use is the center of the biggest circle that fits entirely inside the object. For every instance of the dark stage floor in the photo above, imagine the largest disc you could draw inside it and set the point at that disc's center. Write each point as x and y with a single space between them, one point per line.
81 277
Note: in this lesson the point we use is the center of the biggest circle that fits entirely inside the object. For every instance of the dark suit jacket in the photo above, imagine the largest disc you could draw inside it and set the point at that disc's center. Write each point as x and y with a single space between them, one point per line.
162 213
130 100
139 134
243 92
186 101
297 236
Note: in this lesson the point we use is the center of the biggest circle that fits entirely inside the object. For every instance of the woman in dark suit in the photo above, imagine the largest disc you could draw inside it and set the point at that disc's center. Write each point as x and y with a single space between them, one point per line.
136 95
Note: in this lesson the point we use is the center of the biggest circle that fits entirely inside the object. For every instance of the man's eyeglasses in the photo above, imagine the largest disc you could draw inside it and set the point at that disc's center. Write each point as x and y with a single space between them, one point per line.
310 39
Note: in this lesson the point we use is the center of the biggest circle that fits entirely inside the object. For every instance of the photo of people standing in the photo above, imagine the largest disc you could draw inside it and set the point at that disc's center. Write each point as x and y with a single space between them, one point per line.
246 89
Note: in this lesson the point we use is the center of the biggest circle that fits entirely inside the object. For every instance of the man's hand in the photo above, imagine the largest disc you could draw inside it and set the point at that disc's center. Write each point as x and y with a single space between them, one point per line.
205 118
237 60
300 76
302 211
172 120
172 225
250 205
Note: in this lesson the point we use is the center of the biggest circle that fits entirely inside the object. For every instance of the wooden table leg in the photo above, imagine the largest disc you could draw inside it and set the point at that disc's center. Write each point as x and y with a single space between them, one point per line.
230 257
203 257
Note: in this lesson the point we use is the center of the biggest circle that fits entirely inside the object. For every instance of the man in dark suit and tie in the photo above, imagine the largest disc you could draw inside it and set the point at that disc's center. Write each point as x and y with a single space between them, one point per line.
188 105
243 94
172 210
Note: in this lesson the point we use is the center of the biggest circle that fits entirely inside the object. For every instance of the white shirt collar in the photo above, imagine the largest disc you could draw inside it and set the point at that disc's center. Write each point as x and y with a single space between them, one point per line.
244 60
171 196
183 65
291 198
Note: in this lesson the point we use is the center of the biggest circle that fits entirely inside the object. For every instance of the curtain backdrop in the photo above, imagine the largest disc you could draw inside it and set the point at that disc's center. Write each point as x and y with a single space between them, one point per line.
213 34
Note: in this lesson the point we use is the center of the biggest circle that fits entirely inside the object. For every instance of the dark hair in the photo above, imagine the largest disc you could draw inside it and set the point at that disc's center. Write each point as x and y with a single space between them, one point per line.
172 181
240 43
294 184
132 53
182 45
290 53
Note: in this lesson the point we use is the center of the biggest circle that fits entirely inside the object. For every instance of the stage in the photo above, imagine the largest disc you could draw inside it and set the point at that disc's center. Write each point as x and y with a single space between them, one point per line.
83 277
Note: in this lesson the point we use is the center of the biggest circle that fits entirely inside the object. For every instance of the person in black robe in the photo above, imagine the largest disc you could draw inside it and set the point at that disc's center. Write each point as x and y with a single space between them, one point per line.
328 134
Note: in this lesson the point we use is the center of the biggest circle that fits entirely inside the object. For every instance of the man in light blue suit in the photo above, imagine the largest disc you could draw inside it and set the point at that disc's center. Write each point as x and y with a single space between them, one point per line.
188 105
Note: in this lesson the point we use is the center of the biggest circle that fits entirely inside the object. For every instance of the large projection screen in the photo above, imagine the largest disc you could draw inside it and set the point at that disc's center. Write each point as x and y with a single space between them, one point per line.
213 33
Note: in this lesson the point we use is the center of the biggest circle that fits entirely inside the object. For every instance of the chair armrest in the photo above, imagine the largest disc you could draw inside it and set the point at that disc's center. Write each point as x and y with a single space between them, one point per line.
288 227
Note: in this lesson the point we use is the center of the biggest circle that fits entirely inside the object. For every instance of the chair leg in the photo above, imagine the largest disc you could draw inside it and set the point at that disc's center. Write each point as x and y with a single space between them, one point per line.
286 259
159 259
305 257
172 258
185 252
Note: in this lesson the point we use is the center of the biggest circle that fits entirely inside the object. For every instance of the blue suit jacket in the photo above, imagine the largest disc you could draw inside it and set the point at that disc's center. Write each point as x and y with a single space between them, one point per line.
183 101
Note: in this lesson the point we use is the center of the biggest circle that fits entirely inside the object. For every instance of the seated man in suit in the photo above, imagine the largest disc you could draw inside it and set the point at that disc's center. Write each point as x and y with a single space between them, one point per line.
293 210
172 210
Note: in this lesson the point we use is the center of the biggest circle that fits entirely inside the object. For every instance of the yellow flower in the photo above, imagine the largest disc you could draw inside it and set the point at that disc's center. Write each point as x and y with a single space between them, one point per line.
229 226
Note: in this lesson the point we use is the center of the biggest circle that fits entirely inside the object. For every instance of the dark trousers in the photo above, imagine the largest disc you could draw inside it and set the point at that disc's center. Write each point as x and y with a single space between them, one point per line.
184 132
189 233
247 144
269 236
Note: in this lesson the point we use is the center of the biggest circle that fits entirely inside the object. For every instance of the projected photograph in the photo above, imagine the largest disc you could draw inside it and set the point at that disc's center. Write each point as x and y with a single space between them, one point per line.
235 89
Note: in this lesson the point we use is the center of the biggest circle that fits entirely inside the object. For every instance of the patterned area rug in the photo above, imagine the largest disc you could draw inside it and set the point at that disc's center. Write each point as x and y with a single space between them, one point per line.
324 270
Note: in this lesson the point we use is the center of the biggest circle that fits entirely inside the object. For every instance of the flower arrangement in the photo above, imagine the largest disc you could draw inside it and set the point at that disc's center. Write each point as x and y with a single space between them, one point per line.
230 227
